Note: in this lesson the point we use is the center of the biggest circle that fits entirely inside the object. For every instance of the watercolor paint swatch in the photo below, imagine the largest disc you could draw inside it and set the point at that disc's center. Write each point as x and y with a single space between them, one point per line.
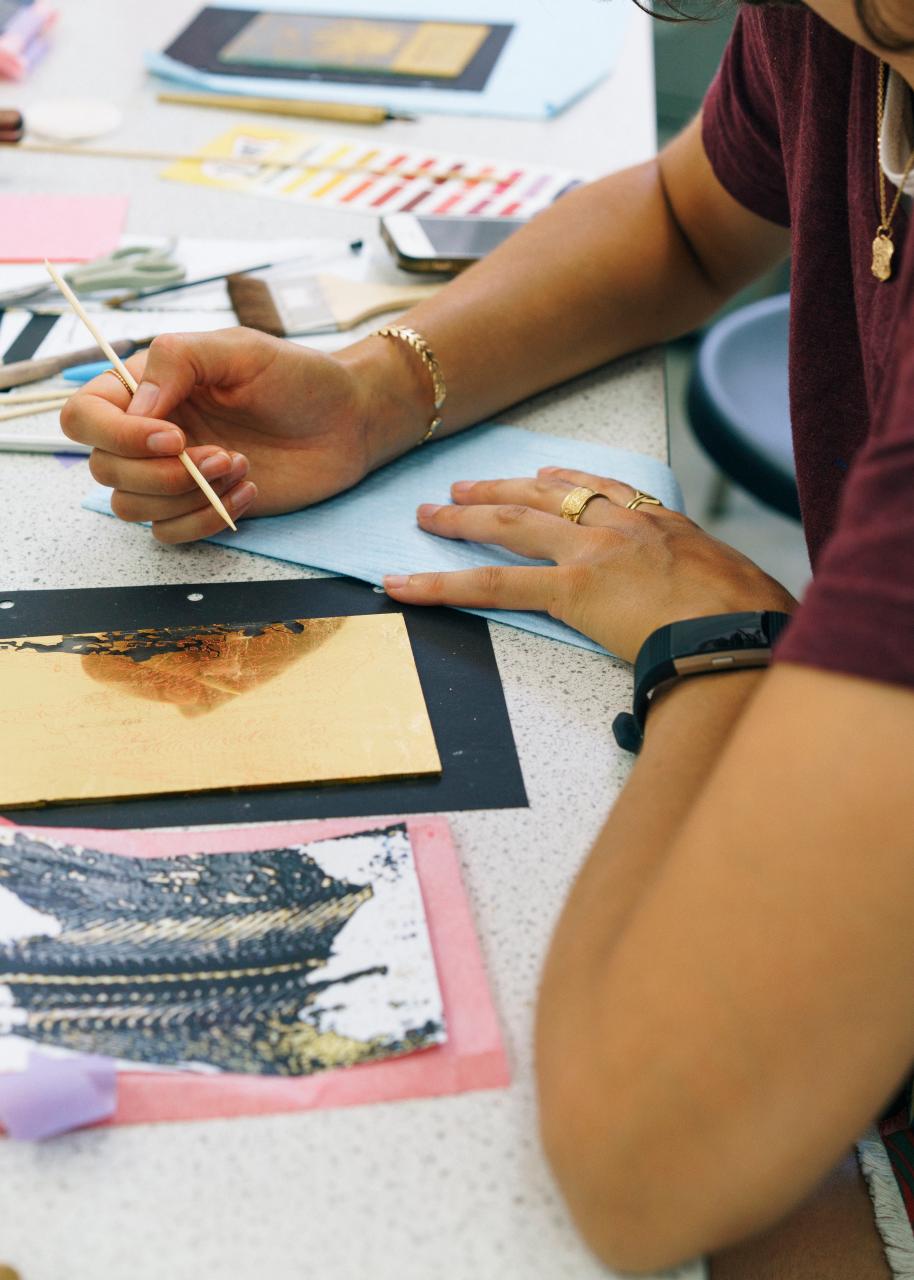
178 710
368 177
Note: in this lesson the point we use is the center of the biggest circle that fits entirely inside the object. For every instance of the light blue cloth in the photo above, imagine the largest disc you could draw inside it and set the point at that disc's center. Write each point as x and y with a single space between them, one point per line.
555 53
371 530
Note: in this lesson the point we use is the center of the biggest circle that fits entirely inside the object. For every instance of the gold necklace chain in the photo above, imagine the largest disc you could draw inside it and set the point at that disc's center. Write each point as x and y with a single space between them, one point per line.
883 245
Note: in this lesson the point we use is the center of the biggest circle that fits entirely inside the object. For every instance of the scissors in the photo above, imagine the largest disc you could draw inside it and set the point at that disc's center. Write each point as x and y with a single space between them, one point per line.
137 267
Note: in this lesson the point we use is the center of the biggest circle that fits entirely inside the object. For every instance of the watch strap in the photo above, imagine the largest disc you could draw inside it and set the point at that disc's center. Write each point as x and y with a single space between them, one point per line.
696 646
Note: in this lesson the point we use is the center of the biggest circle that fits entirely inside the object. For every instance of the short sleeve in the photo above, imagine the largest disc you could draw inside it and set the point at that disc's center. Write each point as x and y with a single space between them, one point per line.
858 615
740 127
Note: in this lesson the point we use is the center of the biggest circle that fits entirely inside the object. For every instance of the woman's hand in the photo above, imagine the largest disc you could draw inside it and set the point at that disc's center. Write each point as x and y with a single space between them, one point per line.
618 574
271 425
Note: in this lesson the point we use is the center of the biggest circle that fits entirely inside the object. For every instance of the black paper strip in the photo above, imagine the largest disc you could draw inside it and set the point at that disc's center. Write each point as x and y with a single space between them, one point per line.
29 339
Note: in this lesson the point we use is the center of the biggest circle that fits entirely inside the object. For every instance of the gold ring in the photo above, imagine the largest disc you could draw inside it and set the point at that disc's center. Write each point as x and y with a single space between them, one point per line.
574 503
121 379
642 500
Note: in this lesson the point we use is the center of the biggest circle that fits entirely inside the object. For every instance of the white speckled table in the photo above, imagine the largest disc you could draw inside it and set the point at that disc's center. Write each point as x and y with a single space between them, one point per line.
451 1188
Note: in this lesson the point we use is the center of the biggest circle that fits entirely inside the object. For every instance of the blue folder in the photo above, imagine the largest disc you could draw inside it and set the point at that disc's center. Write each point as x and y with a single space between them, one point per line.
554 55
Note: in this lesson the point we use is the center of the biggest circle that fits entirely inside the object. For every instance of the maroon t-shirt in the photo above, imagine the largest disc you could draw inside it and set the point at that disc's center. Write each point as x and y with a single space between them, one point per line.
790 129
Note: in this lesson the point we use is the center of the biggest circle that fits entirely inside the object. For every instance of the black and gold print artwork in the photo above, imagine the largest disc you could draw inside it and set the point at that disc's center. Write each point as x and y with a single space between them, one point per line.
184 709
332 43
281 961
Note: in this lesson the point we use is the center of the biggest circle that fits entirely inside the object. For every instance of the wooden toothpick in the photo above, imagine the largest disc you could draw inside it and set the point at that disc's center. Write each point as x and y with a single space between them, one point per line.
46 404
27 397
200 480
436 176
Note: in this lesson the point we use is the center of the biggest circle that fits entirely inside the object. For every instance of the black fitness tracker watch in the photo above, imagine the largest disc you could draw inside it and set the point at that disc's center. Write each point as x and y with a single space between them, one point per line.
696 647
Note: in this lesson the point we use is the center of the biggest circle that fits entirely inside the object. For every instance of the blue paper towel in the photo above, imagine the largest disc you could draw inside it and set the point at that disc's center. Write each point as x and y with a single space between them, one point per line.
371 530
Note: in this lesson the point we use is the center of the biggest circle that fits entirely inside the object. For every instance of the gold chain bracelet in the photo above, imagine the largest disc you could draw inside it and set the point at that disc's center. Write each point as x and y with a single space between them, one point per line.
416 341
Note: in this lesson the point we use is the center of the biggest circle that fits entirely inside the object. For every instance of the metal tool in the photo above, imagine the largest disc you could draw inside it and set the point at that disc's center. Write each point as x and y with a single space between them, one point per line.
136 267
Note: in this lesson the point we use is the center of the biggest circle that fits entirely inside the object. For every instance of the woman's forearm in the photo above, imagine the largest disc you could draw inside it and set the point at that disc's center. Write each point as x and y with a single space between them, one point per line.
615 266
719 1017
588 280
688 729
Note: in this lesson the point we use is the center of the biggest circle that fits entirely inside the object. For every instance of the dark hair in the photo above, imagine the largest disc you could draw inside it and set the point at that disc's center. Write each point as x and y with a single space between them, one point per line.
869 13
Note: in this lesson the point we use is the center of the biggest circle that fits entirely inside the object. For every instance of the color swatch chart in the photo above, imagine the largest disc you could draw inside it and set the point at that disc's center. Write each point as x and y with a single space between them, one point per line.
365 178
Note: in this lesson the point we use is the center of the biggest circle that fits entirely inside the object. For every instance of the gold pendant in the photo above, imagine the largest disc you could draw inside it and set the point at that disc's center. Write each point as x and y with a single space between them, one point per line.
883 251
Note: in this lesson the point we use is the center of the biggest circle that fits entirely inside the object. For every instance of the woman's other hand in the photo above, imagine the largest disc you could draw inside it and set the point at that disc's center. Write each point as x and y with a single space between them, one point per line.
618 574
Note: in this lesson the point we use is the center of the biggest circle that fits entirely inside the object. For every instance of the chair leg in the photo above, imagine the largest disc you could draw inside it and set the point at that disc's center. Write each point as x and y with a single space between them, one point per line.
718 503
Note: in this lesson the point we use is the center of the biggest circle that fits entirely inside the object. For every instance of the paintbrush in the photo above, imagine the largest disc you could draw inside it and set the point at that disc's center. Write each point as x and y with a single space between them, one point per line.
200 480
136 295
292 306
355 246
21 372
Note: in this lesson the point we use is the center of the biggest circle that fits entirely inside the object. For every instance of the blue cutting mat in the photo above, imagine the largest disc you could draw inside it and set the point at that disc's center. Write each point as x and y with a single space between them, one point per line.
371 530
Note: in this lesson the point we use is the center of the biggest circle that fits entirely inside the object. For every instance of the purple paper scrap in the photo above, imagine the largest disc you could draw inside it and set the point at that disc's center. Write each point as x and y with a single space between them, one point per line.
25 26
55 1095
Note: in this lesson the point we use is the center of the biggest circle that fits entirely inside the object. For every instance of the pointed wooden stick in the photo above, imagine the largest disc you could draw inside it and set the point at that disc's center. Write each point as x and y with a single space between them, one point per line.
436 176
200 480
46 405
32 397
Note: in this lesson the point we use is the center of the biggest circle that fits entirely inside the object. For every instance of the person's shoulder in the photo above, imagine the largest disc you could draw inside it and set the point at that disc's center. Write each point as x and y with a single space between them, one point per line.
785 29
791 40
767 17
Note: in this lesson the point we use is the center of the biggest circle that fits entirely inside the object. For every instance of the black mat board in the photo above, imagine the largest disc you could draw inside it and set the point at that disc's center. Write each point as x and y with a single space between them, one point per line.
199 45
456 666
29 338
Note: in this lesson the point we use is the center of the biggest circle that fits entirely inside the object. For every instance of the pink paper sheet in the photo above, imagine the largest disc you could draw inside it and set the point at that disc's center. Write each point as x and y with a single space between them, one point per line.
473 1057
60 228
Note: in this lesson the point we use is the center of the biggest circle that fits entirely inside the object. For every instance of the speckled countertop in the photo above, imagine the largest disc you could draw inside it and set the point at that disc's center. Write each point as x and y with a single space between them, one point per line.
454 1188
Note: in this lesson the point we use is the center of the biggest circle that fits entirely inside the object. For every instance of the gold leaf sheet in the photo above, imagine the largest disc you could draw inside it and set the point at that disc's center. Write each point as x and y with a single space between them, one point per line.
179 710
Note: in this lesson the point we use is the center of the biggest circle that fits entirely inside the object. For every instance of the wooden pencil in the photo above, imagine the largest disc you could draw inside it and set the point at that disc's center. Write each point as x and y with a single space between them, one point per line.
193 471
345 112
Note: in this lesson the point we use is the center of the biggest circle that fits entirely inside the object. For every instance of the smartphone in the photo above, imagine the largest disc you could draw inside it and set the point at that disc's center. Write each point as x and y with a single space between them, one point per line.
443 245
